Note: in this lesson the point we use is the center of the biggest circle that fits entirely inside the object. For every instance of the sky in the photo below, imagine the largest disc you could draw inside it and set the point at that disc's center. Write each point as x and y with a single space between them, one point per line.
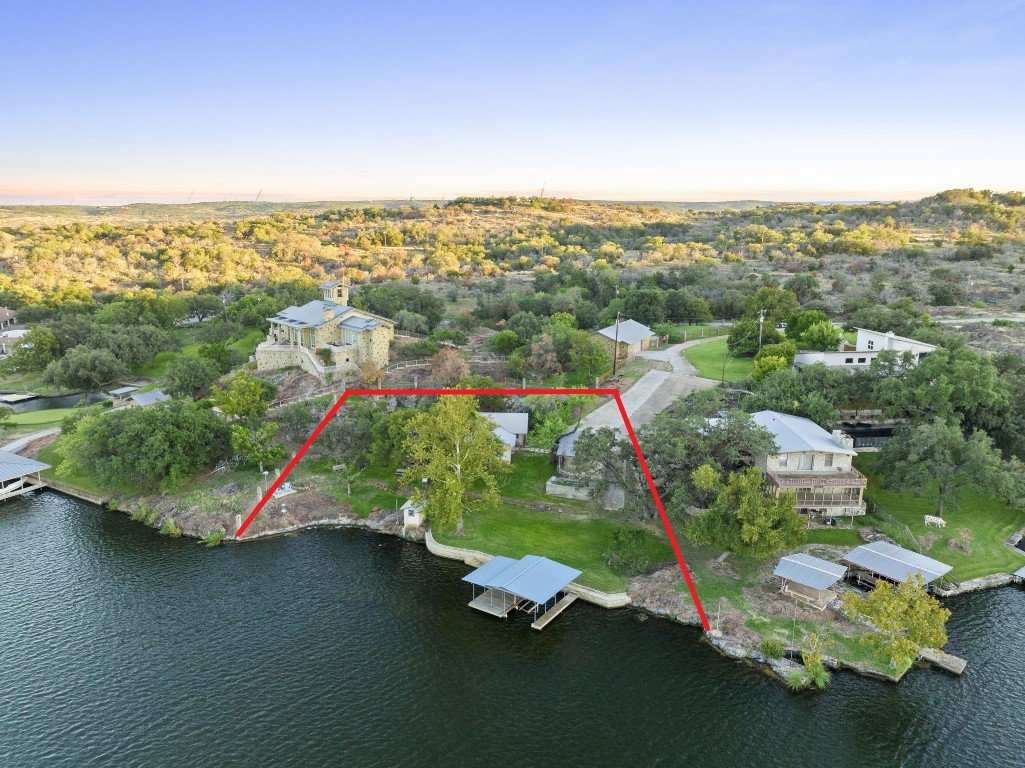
115 102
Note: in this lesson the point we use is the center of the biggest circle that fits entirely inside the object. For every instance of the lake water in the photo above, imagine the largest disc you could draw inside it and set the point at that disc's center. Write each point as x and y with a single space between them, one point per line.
120 647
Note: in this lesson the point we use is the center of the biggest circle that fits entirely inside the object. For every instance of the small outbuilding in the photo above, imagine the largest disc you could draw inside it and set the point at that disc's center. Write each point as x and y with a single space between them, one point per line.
809 578
883 560
412 514
627 338
149 398
531 584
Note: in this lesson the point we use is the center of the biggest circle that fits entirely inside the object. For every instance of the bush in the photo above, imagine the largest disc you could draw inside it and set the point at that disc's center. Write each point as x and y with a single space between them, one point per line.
170 529
214 538
628 552
796 681
772 649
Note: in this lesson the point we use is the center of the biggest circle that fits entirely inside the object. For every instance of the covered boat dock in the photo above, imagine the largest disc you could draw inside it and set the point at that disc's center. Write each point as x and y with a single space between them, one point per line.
1020 575
19 475
882 560
809 578
531 584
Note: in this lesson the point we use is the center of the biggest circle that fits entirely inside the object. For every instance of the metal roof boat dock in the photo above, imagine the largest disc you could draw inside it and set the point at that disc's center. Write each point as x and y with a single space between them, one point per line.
531 584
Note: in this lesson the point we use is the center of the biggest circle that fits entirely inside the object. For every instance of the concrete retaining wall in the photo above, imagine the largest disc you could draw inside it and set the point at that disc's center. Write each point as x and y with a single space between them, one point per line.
476 559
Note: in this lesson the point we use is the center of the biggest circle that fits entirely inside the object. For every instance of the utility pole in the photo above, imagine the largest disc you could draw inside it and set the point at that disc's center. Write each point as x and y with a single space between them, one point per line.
761 321
615 347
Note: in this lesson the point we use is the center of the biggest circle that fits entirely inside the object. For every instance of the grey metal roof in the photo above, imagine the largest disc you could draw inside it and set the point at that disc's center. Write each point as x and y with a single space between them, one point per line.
810 571
896 563
122 391
309 315
796 434
359 323
330 284
12 465
516 423
507 437
1020 574
567 444
148 398
490 569
630 331
532 577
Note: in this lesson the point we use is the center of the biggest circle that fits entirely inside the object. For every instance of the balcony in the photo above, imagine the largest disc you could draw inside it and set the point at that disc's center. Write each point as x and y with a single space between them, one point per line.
850 478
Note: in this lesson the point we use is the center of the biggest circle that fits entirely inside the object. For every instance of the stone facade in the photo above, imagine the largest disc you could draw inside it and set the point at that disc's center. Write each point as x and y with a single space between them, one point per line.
298 336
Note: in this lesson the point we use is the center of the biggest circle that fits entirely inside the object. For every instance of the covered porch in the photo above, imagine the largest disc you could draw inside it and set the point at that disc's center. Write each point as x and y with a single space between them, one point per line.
531 584
809 578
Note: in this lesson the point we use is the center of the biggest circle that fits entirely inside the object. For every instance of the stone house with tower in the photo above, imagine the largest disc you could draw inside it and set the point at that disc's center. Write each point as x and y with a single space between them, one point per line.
326 336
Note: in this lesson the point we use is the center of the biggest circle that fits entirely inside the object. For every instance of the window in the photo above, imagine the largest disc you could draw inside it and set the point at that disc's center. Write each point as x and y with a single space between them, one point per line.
849 360
861 359
871 344
806 461
829 459
782 462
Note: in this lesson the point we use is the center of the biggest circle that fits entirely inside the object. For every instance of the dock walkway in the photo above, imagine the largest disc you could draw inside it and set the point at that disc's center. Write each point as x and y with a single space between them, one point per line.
944 661
496 602
558 608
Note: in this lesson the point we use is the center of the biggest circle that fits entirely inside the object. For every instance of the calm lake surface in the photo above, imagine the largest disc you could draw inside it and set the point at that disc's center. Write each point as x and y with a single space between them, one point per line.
120 647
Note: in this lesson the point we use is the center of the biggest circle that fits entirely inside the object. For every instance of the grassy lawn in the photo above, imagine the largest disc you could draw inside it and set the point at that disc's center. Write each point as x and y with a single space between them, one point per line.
29 382
691 332
49 456
990 521
708 359
842 537
157 367
527 480
248 342
51 417
365 497
515 532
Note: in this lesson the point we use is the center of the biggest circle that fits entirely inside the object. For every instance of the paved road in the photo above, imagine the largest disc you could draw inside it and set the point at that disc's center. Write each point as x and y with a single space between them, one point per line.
18 445
654 391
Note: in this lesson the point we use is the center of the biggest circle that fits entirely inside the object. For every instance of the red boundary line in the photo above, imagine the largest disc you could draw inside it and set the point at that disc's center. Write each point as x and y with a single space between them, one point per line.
501 392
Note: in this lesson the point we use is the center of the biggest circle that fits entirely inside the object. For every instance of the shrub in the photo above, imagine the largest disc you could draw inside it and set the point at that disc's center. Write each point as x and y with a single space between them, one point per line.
214 538
170 529
796 681
772 649
627 551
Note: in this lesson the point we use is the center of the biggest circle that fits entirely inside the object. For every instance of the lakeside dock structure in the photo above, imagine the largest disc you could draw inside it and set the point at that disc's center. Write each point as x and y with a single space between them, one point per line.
19 475
142 399
1020 575
531 584
882 560
809 578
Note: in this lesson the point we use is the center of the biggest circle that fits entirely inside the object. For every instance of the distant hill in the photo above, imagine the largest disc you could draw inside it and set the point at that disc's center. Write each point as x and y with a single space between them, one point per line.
235 210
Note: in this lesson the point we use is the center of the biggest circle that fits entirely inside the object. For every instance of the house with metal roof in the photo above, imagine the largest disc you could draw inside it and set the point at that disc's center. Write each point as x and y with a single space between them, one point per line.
531 584
814 464
626 338
809 578
866 348
19 474
510 428
326 335
883 560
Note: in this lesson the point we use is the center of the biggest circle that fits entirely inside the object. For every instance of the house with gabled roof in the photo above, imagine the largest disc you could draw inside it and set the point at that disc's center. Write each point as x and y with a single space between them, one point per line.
626 338
814 464
510 428
326 335
865 349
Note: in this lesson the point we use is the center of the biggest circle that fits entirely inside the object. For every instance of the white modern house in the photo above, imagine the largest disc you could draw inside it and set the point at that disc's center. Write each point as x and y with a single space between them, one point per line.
814 464
510 428
865 349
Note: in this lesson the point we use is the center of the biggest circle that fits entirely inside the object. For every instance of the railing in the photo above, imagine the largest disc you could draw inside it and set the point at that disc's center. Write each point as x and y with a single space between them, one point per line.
847 479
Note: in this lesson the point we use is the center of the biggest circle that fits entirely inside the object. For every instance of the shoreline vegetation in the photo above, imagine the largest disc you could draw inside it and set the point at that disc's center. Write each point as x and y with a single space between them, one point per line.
746 627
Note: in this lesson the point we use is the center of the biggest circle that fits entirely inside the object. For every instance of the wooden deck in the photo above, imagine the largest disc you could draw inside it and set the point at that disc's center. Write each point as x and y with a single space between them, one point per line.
551 615
943 660
495 602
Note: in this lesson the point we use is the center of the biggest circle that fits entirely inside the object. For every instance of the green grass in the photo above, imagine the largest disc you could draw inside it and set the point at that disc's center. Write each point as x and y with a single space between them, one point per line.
708 359
515 532
842 537
699 331
51 417
990 521
50 456
527 479
248 342
364 498
29 382
157 367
